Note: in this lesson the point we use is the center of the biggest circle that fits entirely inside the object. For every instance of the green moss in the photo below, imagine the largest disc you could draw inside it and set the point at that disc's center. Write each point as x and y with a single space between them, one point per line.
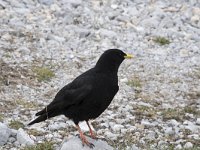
172 113
135 82
35 132
1 117
43 73
25 103
161 40
42 146
141 111
191 110
16 124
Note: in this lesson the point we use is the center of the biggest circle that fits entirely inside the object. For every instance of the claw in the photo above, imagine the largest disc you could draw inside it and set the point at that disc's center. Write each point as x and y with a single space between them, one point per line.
83 138
88 144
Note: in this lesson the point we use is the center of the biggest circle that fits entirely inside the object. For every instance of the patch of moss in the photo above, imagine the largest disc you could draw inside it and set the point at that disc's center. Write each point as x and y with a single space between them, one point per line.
172 113
135 82
43 73
148 112
35 132
191 110
16 124
41 146
1 117
161 40
25 103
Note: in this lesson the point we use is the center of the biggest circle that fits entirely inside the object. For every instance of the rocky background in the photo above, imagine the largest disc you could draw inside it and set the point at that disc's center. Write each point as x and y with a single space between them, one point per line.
44 44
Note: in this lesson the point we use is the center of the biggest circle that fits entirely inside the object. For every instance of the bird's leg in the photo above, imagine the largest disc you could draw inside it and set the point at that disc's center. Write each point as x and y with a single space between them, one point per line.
91 132
83 138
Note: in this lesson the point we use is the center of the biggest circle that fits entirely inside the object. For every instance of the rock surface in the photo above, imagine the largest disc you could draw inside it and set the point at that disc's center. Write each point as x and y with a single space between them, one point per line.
4 134
74 143
23 138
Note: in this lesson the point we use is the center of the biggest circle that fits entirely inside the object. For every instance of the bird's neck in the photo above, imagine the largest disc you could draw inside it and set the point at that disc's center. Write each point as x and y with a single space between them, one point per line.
111 69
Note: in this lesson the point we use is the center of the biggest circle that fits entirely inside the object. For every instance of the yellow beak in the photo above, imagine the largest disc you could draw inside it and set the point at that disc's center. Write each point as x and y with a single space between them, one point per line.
128 56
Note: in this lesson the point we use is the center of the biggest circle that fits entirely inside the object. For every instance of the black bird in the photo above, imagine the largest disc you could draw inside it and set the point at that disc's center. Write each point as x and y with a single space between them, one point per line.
87 96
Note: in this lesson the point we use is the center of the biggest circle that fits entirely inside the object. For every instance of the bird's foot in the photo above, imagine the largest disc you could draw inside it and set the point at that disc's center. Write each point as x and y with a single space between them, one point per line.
93 135
85 142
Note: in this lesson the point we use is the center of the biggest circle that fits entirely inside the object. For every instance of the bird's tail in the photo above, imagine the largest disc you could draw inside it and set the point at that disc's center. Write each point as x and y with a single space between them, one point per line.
48 112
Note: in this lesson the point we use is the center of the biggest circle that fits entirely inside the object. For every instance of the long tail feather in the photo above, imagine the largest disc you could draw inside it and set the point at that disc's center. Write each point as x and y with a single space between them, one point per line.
47 114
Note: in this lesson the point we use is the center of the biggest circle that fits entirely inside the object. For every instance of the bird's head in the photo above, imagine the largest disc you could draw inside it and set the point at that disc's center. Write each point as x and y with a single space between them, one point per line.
111 59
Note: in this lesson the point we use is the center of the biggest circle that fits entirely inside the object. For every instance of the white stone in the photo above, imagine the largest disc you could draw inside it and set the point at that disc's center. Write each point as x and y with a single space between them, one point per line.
146 123
23 138
124 80
191 126
195 19
134 147
184 53
74 143
178 146
151 135
198 121
114 6
117 127
188 145
174 122
169 131
144 104
4 133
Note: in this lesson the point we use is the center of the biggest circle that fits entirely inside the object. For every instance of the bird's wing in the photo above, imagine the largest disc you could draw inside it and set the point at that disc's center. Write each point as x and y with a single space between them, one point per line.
71 94
75 94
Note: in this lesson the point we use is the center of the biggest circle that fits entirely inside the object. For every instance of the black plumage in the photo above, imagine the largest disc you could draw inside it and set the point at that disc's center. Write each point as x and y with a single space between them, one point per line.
87 96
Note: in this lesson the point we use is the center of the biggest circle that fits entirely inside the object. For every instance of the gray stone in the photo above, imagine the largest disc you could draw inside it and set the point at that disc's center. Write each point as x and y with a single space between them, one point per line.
107 33
74 143
198 121
4 133
152 22
169 131
134 147
23 138
46 2
73 3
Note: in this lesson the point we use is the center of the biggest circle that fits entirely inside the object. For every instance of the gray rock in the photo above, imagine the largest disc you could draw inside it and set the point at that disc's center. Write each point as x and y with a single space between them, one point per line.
191 126
73 3
3 4
23 138
117 127
107 33
134 147
74 143
46 2
4 133
198 121
12 139
152 22
169 131
146 123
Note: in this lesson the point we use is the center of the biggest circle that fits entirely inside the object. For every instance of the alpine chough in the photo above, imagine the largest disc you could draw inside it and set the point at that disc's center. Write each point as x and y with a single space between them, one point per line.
88 95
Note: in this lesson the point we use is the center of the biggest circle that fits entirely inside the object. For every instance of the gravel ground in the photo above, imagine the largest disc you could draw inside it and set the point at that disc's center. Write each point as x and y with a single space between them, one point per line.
44 44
